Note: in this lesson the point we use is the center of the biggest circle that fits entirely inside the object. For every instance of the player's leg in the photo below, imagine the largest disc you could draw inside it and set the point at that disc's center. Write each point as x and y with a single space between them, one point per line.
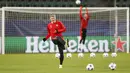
84 35
61 48
83 38
80 42
61 41
80 45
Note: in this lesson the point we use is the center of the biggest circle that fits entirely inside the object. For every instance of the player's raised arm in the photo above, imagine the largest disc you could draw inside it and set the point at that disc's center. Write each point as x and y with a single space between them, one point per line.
87 13
80 12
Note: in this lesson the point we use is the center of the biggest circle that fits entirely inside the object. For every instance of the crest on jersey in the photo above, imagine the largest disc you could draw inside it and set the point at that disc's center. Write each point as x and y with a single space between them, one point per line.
57 25
50 26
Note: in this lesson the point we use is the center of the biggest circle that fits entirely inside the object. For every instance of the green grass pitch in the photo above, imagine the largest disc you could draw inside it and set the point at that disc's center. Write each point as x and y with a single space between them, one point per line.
47 63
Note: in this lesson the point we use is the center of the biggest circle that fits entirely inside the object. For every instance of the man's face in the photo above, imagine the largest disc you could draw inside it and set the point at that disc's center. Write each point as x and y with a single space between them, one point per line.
85 16
52 19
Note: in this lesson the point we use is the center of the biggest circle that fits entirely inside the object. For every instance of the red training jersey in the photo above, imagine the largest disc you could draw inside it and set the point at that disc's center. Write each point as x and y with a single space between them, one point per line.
83 21
52 27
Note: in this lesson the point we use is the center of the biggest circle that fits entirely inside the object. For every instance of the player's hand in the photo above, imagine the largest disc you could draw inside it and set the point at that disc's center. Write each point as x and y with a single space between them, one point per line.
44 39
81 31
56 31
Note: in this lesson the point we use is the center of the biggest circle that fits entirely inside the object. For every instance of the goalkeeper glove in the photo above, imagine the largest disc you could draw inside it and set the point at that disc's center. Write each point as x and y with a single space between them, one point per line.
44 39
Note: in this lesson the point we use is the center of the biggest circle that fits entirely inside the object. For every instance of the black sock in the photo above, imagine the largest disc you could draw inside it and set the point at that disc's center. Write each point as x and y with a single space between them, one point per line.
80 41
84 41
61 58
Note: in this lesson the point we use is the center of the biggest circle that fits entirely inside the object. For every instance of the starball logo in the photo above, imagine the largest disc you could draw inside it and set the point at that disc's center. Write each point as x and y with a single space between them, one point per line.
34 45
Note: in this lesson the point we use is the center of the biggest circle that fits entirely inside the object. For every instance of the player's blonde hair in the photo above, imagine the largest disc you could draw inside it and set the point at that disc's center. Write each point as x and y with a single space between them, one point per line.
53 15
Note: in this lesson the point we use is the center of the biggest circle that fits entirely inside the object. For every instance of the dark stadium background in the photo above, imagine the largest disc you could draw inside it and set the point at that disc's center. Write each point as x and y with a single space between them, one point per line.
63 3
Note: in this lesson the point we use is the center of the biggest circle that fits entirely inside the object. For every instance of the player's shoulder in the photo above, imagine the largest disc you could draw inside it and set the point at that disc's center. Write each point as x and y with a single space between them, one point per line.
49 24
58 21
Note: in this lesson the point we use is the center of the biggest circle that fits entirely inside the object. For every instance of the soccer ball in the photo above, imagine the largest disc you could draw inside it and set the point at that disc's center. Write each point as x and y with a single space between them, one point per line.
113 54
90 67
57 55
112 66
68 55
105 55
92 55
78 2
80 55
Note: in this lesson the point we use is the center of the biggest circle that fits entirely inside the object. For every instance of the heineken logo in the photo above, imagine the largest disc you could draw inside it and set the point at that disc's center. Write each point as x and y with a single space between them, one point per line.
119 44
35 45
